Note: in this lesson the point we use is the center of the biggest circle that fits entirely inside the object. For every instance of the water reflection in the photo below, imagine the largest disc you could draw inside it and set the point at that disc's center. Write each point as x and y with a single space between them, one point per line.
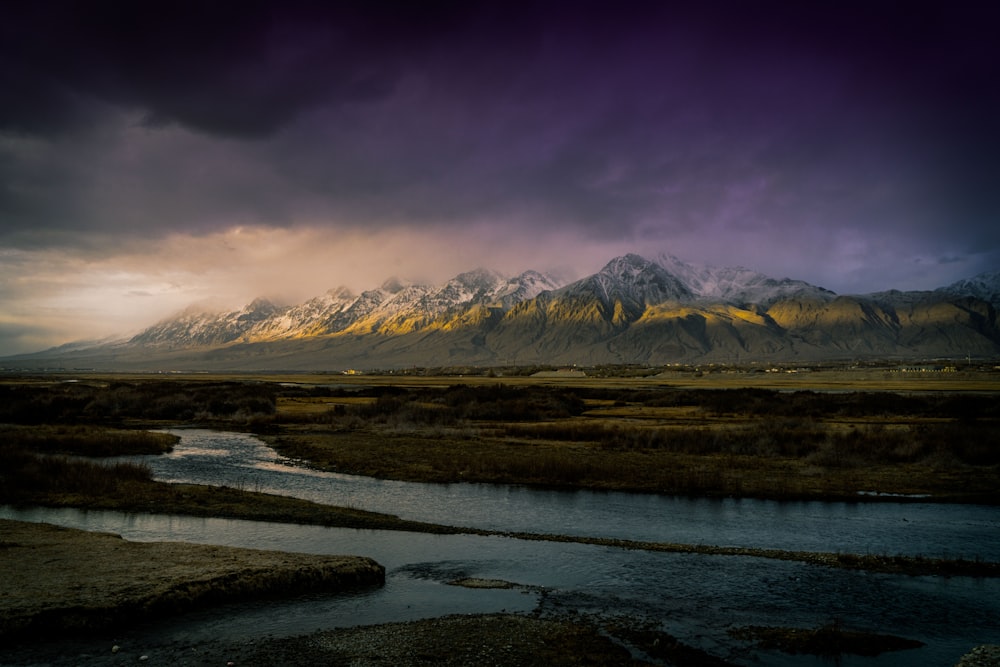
695 597
243 461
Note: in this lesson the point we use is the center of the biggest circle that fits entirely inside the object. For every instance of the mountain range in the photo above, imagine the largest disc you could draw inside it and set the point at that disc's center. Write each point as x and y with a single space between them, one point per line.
633 311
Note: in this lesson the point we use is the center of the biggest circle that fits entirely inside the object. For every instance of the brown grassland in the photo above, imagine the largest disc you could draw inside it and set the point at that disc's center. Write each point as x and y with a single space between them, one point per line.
937 438
830 435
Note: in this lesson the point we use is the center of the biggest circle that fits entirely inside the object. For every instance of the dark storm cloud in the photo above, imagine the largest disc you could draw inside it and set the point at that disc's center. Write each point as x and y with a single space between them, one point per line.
237 69
602 118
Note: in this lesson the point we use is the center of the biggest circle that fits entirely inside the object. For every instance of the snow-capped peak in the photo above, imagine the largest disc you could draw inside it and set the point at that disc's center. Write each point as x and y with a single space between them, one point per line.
526 286
477 286
633 279
985 286
737 284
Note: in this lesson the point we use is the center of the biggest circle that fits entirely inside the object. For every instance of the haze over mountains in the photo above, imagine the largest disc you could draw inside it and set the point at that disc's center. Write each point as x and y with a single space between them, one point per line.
633 311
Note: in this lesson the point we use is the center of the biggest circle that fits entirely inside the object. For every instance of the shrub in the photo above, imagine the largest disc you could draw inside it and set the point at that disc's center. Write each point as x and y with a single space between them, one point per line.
26 474
86 440
153 399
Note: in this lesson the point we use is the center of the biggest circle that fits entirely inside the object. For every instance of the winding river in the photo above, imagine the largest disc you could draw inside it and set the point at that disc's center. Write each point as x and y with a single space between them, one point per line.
694 597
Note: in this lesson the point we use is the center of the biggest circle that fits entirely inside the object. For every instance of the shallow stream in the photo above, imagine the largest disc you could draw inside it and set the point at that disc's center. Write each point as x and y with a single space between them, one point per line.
694 597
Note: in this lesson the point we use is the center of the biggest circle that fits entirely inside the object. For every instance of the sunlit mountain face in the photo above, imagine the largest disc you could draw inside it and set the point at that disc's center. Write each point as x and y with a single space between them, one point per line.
633 311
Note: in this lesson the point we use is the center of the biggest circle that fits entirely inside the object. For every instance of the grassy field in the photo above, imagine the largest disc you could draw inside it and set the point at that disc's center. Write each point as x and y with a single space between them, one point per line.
832 378
823 434
715 442
640 435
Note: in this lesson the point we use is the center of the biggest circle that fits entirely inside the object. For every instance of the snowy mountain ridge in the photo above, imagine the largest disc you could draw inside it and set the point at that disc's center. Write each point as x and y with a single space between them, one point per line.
631 281
985 286
395 305
736 284
633 310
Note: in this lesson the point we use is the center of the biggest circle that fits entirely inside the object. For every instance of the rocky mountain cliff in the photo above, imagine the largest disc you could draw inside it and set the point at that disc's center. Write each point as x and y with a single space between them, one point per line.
634 310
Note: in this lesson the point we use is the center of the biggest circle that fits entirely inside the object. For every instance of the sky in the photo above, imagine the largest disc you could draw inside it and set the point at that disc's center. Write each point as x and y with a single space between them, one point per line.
155 155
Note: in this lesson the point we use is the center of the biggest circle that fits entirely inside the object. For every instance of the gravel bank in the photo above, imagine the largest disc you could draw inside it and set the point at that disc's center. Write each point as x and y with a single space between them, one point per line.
496 639
486 640
987 655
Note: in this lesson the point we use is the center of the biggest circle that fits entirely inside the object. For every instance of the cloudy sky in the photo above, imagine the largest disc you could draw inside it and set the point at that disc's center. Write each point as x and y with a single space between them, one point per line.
159 154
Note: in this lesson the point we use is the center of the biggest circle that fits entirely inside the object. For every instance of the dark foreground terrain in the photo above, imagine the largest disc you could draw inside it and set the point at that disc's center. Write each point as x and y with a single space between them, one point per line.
651 437
459 641
70 597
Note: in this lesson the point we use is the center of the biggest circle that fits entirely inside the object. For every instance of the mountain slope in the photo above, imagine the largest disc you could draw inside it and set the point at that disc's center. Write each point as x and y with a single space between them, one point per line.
197 328
984 287
634 310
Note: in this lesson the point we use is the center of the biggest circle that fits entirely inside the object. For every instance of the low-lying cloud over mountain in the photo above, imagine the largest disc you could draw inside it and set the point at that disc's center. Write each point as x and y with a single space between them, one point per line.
634 310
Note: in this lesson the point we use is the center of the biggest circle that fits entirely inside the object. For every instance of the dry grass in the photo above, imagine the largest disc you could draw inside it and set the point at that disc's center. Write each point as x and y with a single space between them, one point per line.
85 440
313 404
719 443
575 465
819 378
639 433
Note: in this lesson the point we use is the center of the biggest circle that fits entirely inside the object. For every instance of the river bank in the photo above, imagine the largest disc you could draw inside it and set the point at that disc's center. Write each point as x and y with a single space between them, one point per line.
62 581
147 496
71 597
223 502
740 443
576 636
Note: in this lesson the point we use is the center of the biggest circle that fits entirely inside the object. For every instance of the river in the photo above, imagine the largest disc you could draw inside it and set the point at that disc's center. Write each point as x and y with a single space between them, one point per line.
694 597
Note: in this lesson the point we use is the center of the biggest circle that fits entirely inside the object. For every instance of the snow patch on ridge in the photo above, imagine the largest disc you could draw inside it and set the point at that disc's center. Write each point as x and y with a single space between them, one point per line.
737 285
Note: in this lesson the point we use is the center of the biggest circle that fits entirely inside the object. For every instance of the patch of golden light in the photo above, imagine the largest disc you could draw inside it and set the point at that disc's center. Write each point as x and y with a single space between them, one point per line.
715 314
317 404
